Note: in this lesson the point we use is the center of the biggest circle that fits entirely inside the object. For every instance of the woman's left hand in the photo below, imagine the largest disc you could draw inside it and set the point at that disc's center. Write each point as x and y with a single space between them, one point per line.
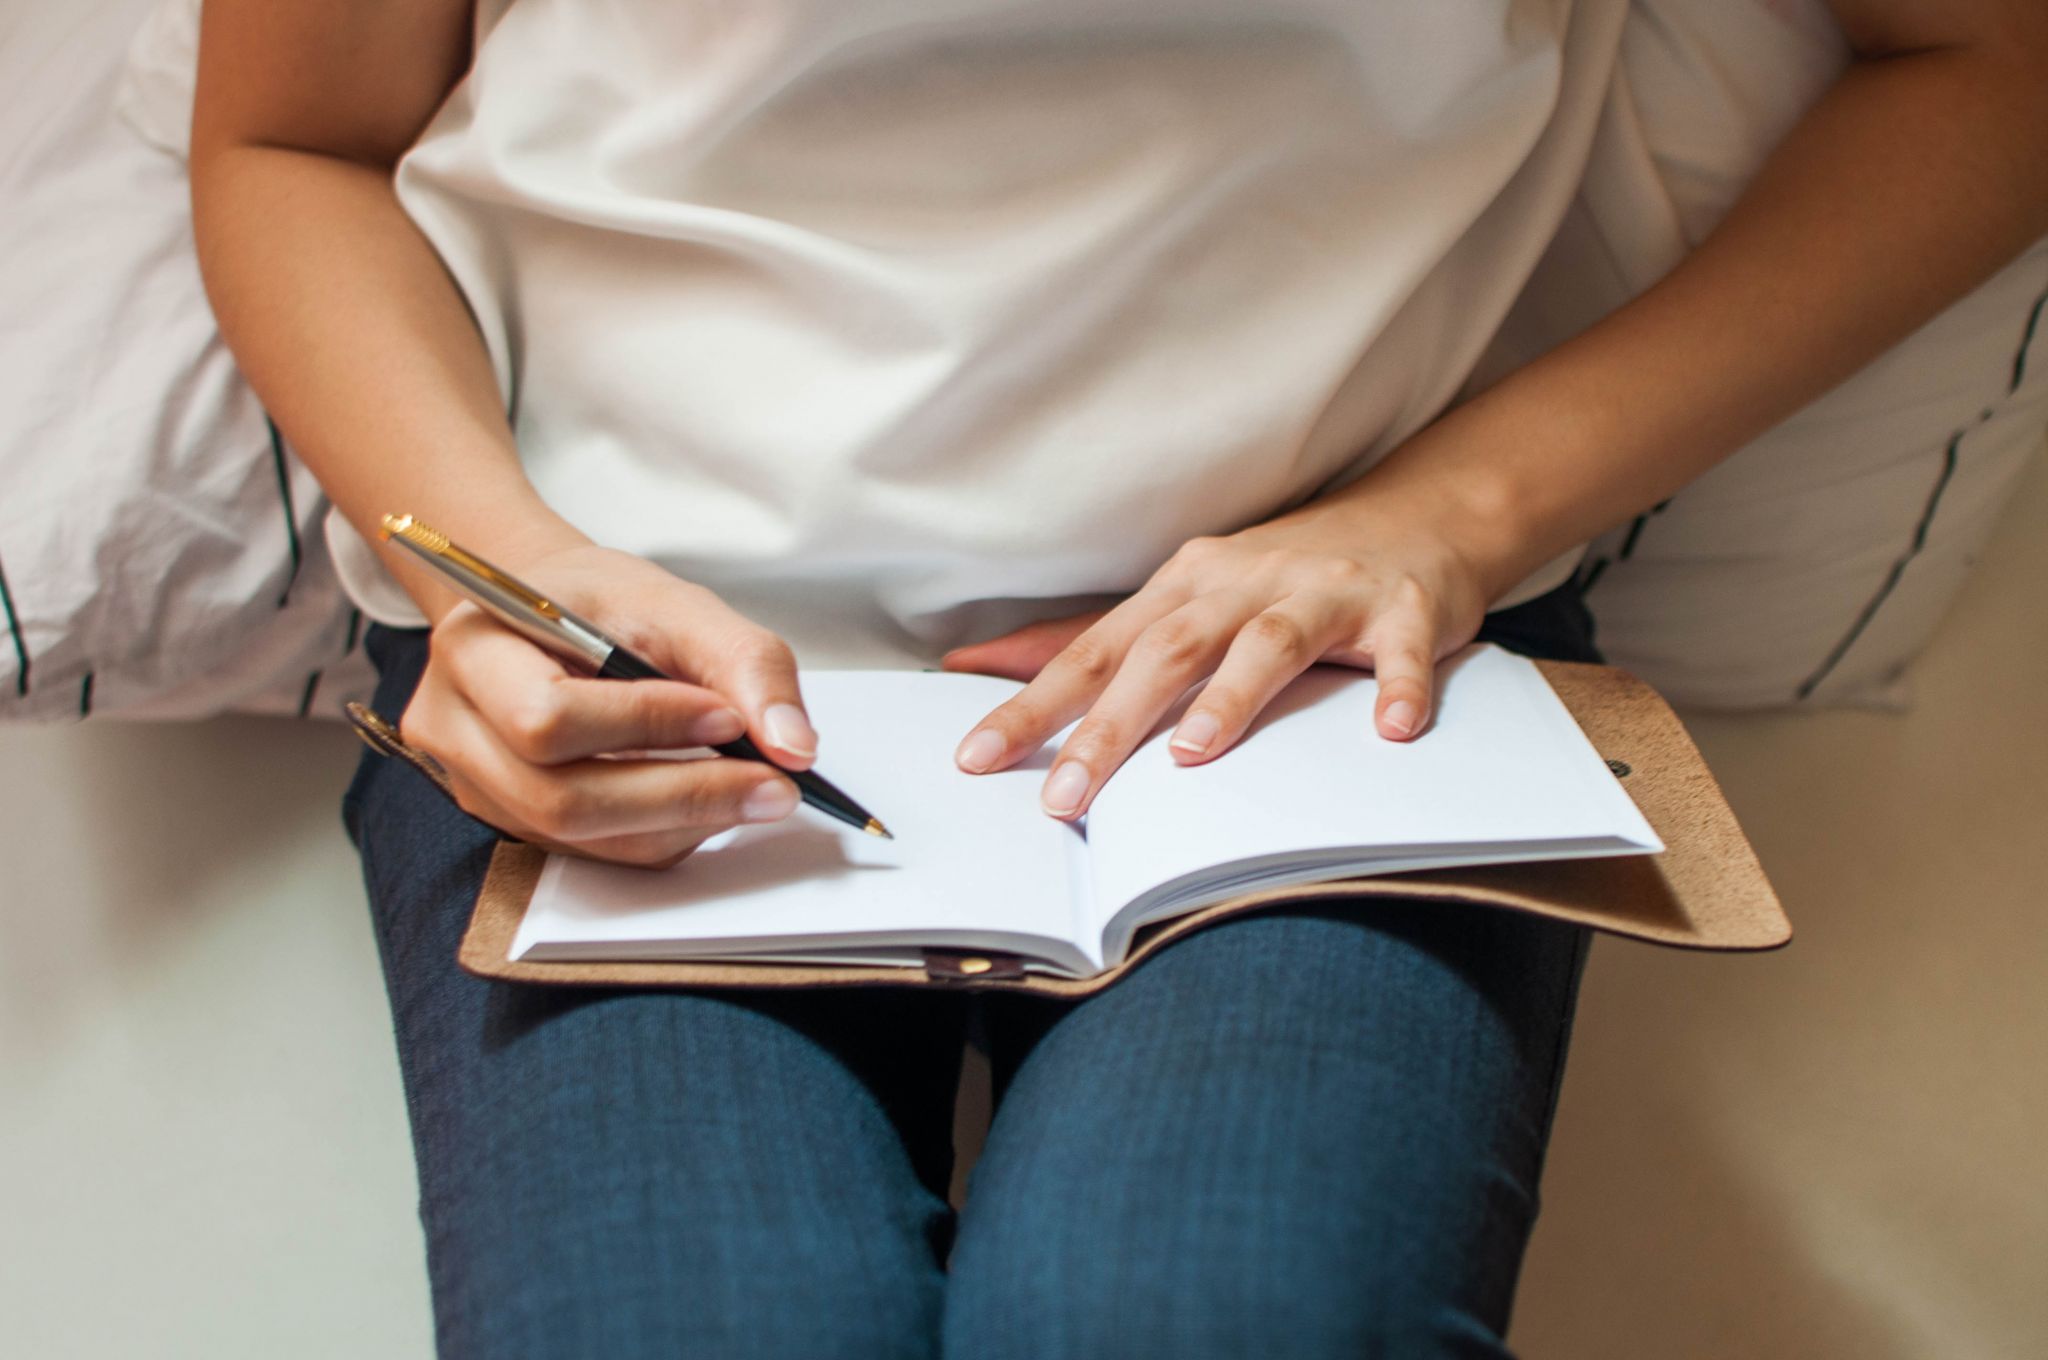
1357 584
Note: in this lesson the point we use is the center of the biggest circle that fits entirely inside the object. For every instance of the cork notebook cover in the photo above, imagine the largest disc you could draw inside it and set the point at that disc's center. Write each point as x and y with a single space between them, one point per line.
1705 891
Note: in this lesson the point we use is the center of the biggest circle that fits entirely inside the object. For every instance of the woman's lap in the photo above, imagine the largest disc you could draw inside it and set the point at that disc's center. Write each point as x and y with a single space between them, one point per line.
1308 1133
621 1173
1321 1129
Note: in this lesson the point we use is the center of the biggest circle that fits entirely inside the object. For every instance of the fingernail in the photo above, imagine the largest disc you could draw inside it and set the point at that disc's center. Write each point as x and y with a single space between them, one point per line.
790 730
1065 789
980 751
717 727
770 802
1196 733
1402 716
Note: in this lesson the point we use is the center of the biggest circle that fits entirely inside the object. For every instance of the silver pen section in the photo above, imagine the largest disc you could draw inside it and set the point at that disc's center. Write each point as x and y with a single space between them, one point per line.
511 601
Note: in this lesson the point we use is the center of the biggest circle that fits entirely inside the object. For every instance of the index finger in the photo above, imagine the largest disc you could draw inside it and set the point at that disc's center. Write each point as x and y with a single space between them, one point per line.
1062 690
548 716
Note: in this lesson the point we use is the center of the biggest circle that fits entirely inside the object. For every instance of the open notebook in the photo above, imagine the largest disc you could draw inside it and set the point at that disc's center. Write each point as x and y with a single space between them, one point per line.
1311 794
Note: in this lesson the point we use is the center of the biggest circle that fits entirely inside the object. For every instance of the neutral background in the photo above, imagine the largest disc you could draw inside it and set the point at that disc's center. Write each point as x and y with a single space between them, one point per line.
1829 1151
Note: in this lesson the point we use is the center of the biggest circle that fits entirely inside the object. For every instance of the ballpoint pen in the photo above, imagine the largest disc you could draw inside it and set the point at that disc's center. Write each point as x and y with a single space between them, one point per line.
525 610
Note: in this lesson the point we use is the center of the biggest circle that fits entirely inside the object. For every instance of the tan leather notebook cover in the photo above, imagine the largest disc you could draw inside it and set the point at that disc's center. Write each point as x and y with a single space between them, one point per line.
1706 891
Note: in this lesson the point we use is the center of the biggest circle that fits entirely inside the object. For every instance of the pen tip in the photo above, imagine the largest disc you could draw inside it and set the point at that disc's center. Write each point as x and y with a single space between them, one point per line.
875 828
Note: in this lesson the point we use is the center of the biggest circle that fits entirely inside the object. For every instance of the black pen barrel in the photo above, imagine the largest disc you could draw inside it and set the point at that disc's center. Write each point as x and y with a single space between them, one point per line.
818 791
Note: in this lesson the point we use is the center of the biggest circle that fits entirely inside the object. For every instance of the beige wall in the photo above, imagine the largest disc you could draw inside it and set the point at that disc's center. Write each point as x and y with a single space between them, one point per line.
1836 1150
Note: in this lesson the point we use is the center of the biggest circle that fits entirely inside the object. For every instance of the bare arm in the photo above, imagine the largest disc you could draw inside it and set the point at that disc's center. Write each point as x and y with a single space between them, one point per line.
335 305
344 321
1920 173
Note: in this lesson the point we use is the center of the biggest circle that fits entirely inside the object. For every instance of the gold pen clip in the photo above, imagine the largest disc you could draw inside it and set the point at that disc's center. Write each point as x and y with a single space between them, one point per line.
432 540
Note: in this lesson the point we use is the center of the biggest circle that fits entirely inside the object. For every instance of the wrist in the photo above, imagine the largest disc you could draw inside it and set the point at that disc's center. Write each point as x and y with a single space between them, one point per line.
1472 509
1485 520
1526 471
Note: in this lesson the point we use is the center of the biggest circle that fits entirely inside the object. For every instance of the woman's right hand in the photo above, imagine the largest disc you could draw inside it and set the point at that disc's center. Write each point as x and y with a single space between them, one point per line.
525 739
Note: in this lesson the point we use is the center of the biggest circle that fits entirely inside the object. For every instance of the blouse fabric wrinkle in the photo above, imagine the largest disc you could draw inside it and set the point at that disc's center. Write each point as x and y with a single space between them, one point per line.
900 325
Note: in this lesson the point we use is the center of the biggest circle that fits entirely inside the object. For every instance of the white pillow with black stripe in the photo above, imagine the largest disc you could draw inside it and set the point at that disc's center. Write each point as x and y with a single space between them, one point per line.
1813 565
161 554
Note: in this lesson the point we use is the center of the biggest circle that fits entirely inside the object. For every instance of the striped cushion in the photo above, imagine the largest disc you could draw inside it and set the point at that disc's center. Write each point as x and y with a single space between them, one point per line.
1813 565
161 554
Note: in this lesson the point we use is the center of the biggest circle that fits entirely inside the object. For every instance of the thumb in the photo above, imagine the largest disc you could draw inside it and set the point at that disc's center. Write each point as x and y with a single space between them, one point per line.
1022 654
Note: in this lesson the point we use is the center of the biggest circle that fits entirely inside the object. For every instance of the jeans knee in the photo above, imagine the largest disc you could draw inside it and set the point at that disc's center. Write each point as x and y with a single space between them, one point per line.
1101 1308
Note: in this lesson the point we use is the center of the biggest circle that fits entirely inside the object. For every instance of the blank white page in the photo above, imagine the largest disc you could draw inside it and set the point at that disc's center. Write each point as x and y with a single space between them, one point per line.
1501 762
973 854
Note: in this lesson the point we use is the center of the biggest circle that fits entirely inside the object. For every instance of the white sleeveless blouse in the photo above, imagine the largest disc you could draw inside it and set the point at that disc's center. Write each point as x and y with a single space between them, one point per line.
902 322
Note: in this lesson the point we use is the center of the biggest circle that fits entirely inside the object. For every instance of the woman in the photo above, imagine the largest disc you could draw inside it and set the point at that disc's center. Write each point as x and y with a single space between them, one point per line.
1108 346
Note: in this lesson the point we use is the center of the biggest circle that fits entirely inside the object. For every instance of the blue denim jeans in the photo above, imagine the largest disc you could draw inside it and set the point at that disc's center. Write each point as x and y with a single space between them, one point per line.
1310 1132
